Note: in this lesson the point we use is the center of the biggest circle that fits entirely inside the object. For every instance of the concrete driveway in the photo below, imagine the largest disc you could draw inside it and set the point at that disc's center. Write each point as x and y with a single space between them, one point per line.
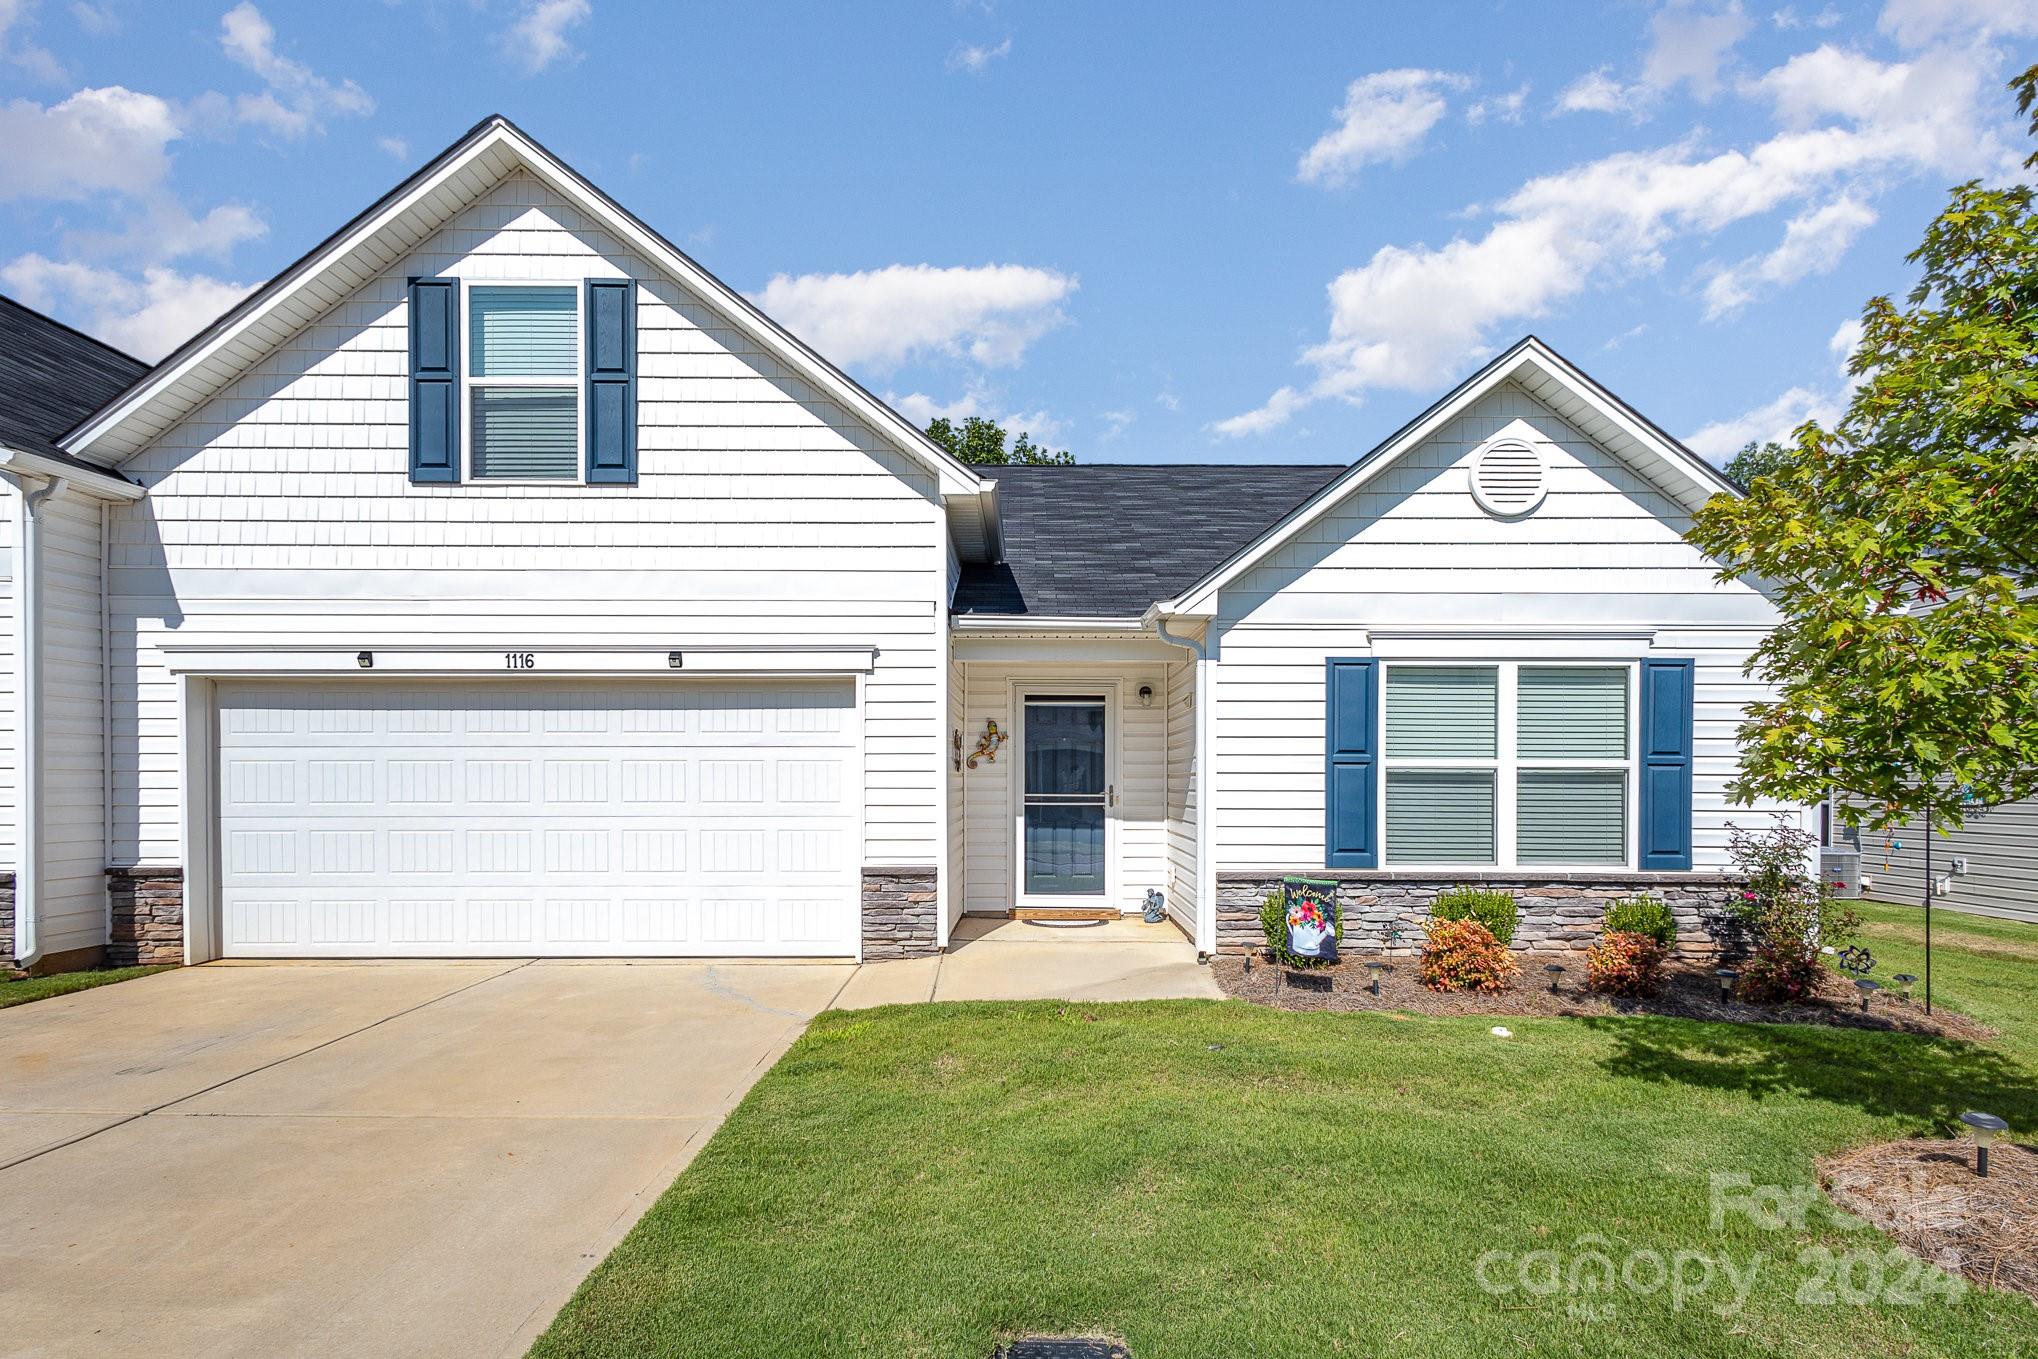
385 1158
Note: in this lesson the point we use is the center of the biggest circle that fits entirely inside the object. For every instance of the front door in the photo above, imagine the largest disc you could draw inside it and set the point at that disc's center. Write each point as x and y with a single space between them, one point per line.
1062 831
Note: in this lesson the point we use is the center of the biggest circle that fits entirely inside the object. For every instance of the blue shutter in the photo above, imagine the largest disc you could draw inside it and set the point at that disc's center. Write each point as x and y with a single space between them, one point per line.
1666 764
434 380
611 382
1351 723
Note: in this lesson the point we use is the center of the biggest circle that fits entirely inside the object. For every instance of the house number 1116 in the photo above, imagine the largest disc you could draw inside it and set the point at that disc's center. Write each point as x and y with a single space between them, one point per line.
520 660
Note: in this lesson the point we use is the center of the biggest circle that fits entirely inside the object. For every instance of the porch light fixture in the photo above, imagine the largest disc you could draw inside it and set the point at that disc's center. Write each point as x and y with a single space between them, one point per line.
1905 980
1727 977
1985 1127
1146 695
365 659
1867 989
1555 970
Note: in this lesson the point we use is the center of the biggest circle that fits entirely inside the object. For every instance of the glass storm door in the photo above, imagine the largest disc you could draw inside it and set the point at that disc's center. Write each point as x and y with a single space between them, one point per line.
1062 821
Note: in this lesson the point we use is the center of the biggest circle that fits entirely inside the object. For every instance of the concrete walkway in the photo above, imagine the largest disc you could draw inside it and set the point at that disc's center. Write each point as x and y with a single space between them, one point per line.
997 959
415 1158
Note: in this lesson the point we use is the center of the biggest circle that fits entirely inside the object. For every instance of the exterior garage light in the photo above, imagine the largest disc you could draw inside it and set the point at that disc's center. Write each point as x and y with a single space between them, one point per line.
1146 695
365 659
672 660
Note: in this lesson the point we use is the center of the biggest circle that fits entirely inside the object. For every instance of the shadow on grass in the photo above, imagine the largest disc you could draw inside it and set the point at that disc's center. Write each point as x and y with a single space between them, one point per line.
1884 1074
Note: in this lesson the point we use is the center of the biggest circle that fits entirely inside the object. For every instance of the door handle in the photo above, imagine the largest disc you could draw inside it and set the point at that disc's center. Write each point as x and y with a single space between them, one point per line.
1110 795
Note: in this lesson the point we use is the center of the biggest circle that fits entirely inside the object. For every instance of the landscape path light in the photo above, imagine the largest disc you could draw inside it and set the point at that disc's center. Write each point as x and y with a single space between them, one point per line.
1986 1127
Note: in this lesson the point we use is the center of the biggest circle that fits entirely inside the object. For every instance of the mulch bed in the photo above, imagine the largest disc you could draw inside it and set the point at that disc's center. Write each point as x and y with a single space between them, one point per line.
1924 1192
1688 993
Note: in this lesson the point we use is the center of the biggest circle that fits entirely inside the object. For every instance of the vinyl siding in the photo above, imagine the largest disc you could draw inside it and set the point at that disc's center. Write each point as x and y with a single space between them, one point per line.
990 801
281 512
73 911
958 885
1183 794
2001 849
1411 550
10 680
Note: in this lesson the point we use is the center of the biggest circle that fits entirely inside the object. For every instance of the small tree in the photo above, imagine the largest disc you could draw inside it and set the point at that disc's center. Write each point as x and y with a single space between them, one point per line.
1901 546
1789 914
978 440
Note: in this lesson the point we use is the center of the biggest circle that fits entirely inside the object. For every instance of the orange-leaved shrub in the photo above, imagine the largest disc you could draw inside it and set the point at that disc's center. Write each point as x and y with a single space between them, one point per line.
1625 963
1463 955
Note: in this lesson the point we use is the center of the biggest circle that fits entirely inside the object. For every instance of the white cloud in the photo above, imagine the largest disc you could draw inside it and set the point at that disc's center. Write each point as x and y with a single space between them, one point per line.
1598 92
1775 419
298 100
923 410
1384 117
97 20
1917 23
879 318
96 140
974 59
16 50
394 147
1116 423
538 38
1412 316
1506 108
148 317
1788 19
1813 242
1687 47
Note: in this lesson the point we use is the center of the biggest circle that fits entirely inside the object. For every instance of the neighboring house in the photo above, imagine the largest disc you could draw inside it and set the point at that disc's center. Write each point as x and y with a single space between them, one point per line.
52 634
500 582
1989 866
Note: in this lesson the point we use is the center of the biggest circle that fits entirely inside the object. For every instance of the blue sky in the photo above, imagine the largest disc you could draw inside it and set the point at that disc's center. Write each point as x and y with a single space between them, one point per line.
1147 232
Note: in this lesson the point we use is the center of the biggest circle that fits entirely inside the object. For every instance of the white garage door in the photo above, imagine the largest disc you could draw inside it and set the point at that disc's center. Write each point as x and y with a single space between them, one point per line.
370 819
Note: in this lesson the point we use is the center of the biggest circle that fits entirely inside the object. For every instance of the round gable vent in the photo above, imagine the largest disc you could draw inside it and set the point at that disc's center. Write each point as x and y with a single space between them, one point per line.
1508 477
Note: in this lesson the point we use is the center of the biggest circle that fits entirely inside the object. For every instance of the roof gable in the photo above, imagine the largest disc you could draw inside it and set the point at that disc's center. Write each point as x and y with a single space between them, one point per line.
387 230
1539 370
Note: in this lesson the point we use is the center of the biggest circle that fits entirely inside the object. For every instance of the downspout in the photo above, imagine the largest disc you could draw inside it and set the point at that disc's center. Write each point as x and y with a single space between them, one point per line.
28 873
1206 874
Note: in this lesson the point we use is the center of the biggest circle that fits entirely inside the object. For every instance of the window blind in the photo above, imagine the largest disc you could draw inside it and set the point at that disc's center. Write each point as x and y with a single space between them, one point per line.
1440 816
526 433
522 332
1571 816
1442 712
1572 713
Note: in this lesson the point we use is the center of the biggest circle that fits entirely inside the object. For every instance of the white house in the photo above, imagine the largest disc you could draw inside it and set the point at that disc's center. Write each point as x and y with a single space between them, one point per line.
497 581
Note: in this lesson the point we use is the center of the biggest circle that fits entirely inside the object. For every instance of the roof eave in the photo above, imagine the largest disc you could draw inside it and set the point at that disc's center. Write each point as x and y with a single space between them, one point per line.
103 484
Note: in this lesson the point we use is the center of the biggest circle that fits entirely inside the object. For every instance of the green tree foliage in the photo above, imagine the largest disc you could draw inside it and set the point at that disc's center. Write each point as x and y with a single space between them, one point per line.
1902 545
1757 460
979 440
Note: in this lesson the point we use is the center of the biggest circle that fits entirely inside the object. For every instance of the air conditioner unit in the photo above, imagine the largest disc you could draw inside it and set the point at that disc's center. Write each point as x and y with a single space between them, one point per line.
1840 869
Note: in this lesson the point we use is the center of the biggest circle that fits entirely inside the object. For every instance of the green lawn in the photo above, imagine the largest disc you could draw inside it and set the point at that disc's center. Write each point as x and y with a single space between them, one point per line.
64 983
1212 1179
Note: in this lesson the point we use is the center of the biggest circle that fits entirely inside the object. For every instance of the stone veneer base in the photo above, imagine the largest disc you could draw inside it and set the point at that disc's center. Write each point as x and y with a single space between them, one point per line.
1383 911
6 918
145 914
899 913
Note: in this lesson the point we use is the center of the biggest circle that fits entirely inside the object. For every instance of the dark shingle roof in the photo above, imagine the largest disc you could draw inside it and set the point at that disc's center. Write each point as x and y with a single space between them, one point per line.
51 377
1102 540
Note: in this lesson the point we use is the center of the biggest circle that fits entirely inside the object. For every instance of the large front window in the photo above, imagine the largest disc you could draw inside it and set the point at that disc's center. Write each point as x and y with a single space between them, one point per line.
1503 765
523 382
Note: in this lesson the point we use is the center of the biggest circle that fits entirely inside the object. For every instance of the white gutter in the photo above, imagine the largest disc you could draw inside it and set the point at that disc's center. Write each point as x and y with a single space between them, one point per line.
28 868
105 485
1206 869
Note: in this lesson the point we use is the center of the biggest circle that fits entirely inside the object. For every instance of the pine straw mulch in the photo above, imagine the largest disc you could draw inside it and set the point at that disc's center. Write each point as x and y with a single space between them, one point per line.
1689 992
1924 1192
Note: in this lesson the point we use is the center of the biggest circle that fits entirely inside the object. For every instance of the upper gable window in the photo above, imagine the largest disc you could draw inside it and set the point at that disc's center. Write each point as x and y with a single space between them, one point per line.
523 382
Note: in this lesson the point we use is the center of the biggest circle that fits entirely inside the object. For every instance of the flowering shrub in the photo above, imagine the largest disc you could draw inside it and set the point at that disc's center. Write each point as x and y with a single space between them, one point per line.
1625 963
1790 916
1463 955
